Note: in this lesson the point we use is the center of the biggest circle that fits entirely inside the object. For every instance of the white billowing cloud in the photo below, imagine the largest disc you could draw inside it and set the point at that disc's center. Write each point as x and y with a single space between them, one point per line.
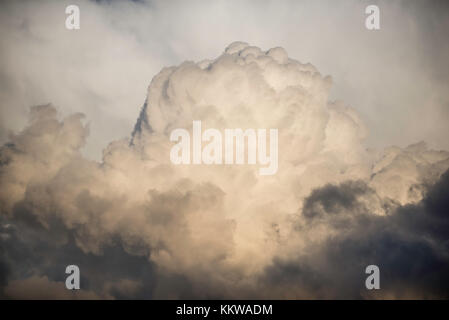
245 87
402 174
220 226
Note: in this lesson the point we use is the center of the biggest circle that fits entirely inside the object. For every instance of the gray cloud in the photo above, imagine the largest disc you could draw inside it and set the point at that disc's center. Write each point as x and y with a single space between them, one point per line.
409 246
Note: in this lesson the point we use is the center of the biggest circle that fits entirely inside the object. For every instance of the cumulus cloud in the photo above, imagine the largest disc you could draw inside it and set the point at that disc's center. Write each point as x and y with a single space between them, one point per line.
139 226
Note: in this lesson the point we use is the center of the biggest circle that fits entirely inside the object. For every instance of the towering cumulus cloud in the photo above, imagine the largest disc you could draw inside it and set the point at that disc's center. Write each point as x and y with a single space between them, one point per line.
139 226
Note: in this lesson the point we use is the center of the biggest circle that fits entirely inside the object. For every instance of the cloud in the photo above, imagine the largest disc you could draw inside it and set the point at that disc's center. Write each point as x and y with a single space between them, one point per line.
211 231
41 288
409 245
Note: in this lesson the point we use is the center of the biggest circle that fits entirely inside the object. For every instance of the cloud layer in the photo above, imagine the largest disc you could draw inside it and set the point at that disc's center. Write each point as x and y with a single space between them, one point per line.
139 226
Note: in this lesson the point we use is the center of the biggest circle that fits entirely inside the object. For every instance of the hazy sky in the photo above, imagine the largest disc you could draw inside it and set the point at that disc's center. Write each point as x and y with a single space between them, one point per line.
396 77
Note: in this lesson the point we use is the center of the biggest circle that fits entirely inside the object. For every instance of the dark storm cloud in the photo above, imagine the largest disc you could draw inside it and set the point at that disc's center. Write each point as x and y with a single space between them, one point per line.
332 199
28 249
410 246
